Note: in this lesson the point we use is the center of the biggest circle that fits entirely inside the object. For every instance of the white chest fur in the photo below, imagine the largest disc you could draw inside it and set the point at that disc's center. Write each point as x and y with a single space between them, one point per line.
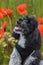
21 41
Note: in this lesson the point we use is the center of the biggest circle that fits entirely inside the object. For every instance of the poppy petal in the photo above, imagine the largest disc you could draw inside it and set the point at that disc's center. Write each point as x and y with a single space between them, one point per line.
2 33
1 15
21 9
3 11
4 25
9 12
24 12
40 28
40 20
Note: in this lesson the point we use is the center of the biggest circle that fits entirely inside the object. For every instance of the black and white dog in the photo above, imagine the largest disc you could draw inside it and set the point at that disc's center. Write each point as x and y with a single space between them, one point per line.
26 51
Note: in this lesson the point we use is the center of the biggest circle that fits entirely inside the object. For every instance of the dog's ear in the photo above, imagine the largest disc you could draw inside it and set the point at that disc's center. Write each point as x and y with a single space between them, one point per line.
31 20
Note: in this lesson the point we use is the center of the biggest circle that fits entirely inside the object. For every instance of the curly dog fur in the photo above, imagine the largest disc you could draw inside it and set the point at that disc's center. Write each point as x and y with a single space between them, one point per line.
26 51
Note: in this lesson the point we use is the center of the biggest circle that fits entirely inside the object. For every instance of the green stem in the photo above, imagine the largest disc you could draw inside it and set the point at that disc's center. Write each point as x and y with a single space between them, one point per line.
10 20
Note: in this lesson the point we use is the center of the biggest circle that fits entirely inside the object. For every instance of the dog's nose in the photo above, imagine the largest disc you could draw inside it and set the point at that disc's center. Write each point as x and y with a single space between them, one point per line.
19 20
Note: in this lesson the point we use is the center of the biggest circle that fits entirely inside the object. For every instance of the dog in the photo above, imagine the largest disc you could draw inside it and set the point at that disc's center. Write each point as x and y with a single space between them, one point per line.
26 51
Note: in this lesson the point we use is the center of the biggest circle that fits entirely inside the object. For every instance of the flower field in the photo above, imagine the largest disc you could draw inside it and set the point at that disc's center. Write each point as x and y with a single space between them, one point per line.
10 11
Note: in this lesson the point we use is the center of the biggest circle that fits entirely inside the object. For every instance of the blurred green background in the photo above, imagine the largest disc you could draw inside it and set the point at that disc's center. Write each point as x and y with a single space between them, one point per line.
34 7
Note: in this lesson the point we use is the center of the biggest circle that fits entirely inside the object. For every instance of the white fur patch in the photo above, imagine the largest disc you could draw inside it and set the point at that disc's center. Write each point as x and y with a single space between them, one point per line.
30 59
15 58
41 62
21 41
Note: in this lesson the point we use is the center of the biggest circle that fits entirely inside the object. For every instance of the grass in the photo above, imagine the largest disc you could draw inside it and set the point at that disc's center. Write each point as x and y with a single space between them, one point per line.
34 7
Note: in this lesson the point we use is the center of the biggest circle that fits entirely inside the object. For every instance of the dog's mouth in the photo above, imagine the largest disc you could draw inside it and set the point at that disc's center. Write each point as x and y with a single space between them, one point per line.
17 28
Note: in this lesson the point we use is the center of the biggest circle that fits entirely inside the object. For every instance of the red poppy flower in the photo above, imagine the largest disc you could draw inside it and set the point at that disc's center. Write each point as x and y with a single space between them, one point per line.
2 33
4 25
2 29
1 15
9 12
40 27
3 11
40 20
22 9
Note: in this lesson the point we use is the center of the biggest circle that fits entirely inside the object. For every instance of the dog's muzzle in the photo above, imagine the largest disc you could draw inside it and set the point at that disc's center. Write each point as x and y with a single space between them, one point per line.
17 28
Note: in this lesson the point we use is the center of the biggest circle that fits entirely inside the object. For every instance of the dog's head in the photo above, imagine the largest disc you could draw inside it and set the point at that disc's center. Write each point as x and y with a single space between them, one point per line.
26 25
